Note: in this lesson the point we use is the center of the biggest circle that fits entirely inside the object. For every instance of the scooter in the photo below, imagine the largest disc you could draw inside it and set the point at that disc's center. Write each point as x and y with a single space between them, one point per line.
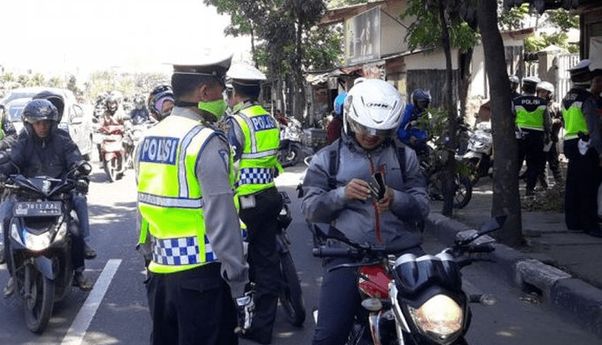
408 299
40 241
114 154
291 150
479 155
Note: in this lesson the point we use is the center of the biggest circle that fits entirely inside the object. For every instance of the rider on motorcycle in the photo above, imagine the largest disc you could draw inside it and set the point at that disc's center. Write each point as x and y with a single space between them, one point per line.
408 132
139 114
41 151
367 146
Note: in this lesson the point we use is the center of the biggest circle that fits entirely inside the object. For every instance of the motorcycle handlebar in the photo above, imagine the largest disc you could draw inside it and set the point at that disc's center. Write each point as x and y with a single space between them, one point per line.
324 252
370 251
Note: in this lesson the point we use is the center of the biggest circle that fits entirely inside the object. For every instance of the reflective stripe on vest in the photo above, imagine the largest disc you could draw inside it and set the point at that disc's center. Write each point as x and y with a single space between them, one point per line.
259 158
169 195
574 121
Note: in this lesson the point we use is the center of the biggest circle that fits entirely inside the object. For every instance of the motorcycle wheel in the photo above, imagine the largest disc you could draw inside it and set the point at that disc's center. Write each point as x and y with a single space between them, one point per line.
291 157
110 169
291 298
463 191
38 300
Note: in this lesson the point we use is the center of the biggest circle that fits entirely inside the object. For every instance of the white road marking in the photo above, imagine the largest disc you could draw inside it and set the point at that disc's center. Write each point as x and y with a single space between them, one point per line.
77 331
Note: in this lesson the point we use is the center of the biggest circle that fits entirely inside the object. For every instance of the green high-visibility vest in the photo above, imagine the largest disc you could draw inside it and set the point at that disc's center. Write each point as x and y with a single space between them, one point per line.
572 113
259 159
529 112
169 195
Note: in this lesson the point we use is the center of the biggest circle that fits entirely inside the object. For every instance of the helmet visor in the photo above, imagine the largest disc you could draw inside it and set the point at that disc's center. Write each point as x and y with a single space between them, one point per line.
361 129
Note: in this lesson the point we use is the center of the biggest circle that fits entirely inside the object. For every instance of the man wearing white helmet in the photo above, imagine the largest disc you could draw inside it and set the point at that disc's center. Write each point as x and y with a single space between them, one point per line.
255 136
583 149
545 90
533 128
337 192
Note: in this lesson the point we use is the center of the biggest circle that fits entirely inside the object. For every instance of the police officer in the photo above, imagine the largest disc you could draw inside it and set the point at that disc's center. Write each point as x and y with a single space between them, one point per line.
255 136
582 147
185 194
533 128
545 90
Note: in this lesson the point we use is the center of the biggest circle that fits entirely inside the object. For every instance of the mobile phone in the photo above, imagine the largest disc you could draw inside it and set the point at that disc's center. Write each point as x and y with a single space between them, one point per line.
377 186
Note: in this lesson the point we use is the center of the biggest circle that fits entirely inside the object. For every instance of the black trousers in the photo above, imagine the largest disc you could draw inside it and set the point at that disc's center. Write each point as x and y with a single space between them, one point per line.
581 193
191 307
264 260
530 148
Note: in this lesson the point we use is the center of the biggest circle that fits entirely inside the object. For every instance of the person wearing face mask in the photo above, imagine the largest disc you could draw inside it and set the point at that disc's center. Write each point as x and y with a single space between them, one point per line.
197 271
255 137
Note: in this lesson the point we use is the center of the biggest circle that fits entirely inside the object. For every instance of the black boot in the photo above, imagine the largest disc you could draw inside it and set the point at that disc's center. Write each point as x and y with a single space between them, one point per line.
89 252
80 280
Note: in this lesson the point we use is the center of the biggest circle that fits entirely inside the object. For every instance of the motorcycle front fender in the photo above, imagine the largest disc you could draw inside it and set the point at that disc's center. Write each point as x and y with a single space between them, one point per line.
44 265
110 155
471 155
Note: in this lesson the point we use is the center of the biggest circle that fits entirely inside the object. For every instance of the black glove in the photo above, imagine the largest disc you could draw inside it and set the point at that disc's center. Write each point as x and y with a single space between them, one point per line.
81 186
245 309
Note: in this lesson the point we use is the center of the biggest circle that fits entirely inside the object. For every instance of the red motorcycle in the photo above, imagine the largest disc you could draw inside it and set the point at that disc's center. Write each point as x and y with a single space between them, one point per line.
408 299
113 153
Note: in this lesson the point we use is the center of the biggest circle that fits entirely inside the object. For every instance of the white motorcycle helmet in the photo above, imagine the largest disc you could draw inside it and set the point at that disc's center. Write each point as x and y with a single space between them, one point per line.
373 107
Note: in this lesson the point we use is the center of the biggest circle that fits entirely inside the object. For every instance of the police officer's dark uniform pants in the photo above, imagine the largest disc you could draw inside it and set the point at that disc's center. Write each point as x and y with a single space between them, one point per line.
581 193
264 260
530 147
191 307
339 301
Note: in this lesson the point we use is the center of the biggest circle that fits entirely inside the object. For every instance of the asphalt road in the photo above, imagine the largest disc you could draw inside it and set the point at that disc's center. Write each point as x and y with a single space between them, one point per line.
115 311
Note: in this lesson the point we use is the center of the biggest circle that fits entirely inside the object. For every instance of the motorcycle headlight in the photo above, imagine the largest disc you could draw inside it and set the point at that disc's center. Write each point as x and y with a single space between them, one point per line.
440 318
37 242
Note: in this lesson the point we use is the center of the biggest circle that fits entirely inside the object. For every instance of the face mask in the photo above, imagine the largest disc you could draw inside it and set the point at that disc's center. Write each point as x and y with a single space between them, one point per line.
217 107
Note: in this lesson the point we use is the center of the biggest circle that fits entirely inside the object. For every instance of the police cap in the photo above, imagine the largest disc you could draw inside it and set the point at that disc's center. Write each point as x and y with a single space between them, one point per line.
245 75
581 73
215 66
532 79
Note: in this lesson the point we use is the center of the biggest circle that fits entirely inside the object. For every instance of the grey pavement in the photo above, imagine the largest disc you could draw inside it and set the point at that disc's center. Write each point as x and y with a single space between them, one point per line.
562 266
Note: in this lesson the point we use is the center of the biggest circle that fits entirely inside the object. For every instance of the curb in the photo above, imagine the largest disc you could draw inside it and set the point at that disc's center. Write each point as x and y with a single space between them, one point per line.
566 295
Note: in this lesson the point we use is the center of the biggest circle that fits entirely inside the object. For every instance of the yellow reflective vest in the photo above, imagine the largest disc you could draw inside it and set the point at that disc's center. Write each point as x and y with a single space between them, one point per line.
572 113
170 200
259 160
530 112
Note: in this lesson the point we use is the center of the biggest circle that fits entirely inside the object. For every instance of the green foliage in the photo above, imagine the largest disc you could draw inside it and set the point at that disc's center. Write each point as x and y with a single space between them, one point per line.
536 43
342 3
512 19
426 30
563 19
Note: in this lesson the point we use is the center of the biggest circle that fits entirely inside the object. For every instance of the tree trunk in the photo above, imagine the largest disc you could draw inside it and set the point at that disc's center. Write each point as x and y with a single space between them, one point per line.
253 48
450 144
464 61
506 198
298 80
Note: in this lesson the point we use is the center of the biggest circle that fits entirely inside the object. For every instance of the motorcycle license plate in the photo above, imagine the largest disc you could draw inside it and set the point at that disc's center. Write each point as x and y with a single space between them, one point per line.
37 209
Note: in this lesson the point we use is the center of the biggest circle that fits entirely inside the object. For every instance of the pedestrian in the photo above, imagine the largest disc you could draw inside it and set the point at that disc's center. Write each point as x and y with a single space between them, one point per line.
255 137
333 130
337 192
514 84
197 271
582 148
533 128
545 90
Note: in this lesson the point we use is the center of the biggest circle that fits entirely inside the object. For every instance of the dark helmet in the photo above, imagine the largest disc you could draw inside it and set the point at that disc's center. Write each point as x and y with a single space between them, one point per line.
56 100
39 110
111 103
421 98
156 98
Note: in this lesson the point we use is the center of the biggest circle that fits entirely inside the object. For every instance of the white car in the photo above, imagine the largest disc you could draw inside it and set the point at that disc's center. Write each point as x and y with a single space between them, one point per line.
73 121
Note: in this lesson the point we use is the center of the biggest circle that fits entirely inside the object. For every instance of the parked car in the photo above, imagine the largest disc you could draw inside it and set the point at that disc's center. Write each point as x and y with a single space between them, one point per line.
73 121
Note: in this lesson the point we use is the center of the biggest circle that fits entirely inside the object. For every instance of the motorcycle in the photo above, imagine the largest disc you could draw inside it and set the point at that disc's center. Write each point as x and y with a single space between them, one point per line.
40 241
479 155
291 150
433 170
114 153
408 299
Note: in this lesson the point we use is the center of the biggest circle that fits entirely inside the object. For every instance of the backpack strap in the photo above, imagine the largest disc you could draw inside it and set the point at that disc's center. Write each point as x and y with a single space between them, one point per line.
401 158
333 165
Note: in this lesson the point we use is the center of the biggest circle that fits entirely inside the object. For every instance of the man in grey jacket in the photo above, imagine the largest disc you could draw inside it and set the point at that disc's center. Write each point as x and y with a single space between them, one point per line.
343 197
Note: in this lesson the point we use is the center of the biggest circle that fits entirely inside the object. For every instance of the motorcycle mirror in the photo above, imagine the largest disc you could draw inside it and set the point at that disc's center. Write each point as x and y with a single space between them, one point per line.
84 168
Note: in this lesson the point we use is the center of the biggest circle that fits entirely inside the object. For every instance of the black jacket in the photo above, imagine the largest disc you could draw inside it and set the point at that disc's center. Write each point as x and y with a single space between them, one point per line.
52 156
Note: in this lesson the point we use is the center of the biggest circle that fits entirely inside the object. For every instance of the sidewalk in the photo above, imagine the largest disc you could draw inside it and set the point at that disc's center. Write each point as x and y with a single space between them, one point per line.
564 266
